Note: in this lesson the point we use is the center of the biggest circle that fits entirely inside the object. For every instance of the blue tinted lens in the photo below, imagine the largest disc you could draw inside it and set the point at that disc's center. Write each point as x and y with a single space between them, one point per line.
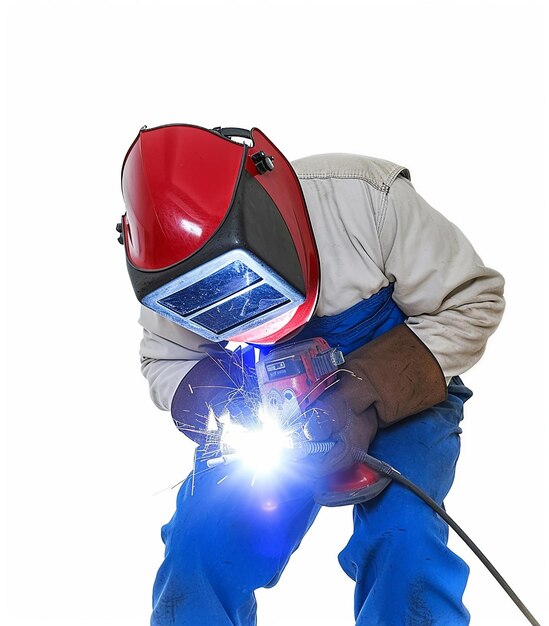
241 309
221 284
225 296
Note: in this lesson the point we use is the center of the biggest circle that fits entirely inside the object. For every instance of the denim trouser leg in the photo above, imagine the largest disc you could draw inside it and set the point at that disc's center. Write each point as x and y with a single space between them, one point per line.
405 574
231 534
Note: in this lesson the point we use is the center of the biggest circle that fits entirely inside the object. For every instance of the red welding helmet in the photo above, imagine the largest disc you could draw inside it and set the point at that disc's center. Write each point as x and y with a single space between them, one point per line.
217 234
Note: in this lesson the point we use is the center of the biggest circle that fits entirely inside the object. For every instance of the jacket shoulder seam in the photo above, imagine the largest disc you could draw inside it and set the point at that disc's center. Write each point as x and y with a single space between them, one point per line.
325 175
383 187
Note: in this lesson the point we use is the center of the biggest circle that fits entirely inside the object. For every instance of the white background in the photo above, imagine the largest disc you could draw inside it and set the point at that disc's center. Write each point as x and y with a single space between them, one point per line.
453 90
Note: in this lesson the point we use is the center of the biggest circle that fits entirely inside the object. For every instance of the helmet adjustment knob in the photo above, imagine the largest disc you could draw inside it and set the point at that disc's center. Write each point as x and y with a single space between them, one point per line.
263 162
119 230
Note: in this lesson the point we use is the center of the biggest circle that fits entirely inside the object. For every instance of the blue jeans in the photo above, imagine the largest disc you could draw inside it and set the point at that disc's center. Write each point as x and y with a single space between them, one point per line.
232 534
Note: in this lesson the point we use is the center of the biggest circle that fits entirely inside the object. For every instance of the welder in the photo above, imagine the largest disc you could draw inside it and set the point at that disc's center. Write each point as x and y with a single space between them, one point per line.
227 241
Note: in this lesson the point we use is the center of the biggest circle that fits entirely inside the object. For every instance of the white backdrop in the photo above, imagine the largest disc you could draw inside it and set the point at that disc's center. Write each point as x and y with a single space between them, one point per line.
456 91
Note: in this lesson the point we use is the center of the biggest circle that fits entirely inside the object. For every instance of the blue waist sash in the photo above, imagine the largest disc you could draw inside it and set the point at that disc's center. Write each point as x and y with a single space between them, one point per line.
357 325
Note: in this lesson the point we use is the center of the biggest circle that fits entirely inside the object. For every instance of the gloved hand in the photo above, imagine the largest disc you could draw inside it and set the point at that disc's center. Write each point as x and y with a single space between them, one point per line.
396 373
384 381
333 418
222 381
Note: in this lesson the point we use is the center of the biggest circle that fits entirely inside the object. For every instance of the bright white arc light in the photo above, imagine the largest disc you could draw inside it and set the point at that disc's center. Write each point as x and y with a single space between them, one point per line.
261 449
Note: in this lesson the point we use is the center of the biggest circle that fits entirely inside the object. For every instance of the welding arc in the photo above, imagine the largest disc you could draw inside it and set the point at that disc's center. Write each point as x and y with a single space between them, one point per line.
391 472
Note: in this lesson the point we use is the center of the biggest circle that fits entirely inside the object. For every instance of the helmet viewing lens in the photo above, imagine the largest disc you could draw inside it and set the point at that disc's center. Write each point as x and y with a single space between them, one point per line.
225 296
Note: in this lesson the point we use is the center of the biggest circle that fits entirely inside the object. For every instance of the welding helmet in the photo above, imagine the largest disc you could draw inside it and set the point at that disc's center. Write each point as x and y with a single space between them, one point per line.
217 234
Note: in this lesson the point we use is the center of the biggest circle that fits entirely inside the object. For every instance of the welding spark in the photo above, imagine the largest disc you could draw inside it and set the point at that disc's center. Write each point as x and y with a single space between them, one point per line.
240 428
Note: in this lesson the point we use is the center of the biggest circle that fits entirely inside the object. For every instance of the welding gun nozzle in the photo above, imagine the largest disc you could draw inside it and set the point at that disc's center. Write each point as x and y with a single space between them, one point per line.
222 460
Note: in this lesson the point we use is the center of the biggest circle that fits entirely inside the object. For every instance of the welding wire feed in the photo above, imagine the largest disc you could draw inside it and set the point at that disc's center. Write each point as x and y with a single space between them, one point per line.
314 447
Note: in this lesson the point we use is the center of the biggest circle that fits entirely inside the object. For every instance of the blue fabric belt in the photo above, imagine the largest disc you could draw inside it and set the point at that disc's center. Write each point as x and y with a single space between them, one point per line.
358 325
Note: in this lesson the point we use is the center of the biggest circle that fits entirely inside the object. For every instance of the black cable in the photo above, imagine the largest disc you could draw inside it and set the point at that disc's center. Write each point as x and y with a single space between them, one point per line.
391 472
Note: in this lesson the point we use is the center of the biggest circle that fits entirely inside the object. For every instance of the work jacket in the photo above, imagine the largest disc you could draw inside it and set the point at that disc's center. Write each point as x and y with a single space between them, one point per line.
372 229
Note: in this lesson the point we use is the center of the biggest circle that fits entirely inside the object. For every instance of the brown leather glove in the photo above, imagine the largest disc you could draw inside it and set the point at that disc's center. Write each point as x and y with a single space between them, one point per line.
384 381
396 373
220 381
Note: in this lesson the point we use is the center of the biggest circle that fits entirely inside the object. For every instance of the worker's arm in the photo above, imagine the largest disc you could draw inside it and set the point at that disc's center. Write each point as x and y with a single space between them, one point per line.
168 353
453 303
189 375
452 300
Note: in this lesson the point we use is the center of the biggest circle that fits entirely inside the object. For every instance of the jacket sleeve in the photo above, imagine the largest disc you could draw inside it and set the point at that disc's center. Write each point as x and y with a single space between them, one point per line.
452 300
168 352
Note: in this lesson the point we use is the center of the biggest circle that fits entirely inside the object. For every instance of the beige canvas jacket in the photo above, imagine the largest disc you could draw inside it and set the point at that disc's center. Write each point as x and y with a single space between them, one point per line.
371 228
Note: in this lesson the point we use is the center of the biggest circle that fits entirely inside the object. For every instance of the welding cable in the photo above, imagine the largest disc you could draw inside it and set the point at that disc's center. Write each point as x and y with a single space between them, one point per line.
391 472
